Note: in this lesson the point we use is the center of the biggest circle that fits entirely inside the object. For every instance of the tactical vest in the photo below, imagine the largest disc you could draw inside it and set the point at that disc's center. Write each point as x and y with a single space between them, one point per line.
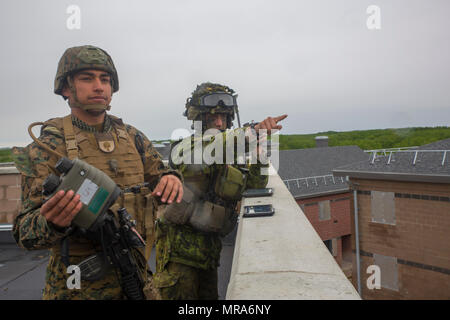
188 243
116 155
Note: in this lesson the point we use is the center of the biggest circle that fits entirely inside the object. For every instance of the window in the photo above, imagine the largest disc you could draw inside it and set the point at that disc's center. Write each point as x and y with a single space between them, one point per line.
383 207
324 210
332 246
388 270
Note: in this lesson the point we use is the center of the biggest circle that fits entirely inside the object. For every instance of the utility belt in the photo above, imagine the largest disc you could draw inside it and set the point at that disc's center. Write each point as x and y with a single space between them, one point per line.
214 214
79 247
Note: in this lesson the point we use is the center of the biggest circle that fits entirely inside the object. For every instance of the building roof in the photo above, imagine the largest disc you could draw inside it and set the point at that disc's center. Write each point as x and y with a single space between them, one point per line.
163 150
438 145
427 163
308 172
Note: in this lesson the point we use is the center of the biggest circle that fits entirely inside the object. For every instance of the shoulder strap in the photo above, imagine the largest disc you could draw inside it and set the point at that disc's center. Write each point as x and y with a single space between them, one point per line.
139 143
116 120
69 135
54 126
121 129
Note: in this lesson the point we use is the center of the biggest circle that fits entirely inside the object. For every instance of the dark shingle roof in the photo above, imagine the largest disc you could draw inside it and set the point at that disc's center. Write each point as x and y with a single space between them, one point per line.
314 162
426 165
163 150
438 145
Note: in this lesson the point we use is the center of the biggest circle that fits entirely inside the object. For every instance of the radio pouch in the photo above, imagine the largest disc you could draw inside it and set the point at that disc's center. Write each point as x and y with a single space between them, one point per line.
230 183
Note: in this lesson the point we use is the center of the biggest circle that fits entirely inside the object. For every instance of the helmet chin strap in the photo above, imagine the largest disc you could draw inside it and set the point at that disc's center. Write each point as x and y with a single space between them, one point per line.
75 103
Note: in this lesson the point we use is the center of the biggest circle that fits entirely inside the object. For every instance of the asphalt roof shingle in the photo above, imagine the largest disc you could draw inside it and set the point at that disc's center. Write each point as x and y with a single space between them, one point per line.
427 163
163 150
302 164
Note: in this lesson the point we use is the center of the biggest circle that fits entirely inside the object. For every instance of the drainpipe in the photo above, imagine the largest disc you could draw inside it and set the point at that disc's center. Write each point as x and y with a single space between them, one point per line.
358 267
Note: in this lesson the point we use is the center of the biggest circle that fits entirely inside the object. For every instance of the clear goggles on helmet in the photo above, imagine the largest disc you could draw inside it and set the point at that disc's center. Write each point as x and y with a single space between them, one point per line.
215 99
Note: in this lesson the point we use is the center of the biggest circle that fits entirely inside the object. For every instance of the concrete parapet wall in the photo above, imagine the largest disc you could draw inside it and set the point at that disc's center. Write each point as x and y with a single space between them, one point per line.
10 193
282 256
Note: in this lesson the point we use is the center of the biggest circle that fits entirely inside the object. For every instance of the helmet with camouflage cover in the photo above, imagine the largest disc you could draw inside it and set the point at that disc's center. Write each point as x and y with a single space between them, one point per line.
80 58
223 100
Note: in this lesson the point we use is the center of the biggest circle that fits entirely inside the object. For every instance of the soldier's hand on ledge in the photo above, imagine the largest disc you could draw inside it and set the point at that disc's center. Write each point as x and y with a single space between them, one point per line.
168 188
270 123
62 208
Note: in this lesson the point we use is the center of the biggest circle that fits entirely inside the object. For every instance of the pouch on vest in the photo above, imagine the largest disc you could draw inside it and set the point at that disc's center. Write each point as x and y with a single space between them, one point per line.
179 213
138 206
208 217
230 183
129 202
150 207
202 215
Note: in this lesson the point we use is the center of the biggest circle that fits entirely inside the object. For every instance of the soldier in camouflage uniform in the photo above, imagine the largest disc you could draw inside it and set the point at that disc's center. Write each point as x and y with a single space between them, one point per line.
86 76
187 258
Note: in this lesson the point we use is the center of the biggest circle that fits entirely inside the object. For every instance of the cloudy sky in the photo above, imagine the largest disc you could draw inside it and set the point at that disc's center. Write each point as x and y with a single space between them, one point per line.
315 60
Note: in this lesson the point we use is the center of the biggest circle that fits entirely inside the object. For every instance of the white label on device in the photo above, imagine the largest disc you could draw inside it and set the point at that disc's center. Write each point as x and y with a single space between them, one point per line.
87 191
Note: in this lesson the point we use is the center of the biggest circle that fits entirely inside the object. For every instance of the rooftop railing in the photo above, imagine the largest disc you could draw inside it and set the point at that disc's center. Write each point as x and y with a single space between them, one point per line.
416 153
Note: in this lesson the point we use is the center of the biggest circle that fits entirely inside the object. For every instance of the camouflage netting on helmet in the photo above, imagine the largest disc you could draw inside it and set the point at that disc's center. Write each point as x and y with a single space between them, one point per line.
193 108
81 58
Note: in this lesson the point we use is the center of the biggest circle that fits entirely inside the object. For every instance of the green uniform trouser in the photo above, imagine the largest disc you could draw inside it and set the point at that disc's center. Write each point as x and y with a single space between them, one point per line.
189 283
186 263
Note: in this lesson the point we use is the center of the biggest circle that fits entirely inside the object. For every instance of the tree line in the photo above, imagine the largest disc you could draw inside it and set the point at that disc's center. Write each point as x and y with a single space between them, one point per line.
369 139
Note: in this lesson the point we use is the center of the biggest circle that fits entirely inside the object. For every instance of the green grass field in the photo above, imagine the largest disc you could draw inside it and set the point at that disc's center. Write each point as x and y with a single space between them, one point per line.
5 155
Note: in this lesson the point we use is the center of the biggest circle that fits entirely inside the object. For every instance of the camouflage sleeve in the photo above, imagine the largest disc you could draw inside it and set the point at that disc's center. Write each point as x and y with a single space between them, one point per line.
238 142
255 179
154 167
211 148
31 230
183 151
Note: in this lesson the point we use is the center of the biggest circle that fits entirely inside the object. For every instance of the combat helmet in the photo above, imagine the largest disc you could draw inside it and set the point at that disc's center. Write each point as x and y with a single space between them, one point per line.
80 58
211 98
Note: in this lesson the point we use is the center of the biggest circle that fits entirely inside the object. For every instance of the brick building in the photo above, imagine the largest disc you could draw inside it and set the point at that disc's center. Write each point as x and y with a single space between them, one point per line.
324 199
10 193
403 214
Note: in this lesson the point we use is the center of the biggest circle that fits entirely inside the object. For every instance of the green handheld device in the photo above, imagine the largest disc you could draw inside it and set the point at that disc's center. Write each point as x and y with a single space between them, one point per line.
97 191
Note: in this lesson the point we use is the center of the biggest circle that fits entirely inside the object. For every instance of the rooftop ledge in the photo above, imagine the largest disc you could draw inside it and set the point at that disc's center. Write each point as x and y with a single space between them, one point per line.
282 256
8 168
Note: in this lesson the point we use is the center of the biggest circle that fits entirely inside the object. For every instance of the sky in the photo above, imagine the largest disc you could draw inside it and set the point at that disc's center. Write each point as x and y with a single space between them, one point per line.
321 62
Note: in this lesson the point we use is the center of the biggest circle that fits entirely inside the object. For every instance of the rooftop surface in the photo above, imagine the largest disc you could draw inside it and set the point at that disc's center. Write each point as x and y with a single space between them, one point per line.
309 171
427 163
